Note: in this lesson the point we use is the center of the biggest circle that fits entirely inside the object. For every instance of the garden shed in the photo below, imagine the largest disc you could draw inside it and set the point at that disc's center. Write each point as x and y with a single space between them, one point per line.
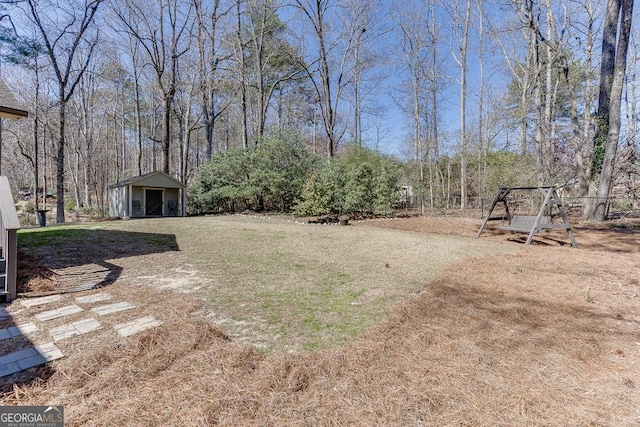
154 194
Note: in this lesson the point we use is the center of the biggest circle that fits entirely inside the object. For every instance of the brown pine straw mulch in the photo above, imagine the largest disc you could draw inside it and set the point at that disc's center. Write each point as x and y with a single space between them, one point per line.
33 278
545 336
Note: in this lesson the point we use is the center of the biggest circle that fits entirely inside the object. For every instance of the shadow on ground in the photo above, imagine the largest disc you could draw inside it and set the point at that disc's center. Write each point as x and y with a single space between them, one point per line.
620 240
610 236
59 260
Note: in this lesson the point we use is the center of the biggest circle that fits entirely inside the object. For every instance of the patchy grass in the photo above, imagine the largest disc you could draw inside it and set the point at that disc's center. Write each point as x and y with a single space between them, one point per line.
277 285
288 286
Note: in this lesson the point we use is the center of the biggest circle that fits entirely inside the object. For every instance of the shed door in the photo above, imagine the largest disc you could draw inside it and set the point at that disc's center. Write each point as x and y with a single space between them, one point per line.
153 200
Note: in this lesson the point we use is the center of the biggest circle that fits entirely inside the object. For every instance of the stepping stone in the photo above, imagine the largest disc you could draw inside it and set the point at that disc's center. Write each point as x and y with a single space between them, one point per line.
76 328
90 299
33 302
15 331
4 314
58 312
28 358
137 325
113 308
83 287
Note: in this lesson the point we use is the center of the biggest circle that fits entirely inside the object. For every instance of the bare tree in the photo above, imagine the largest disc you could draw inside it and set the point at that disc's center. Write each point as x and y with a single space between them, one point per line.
483 147
272 62
134 51
26 52
365 21
521 68
209 17
85 112
415 56
630 152
66 32
460 56
162 32
241 59
188 122
582 134
330 78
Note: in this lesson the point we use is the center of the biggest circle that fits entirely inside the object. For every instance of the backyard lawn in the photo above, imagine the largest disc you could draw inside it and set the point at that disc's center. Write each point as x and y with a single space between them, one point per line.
266 321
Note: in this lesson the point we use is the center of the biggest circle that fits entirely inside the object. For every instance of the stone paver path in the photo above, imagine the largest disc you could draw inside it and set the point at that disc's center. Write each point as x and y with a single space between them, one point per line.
76 328
16 331
58 312
113 308
34 302
137 325
39 354
28 358
90 299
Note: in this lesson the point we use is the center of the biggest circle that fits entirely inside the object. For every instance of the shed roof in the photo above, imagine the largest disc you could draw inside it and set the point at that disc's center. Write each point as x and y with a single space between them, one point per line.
9 107
152 179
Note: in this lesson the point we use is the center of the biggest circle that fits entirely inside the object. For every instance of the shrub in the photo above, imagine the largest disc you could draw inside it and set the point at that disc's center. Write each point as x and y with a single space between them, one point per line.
281 166
220 184
318 196
361 180
268 176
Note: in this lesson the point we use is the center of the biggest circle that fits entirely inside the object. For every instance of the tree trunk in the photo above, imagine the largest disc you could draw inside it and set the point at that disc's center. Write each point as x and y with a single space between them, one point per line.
328 113
60 161
314 10
36 148
549 100
481 139
584 175
608 164
439 178
166 133
609 36
540 116
138 112
524 98
463 107
243 79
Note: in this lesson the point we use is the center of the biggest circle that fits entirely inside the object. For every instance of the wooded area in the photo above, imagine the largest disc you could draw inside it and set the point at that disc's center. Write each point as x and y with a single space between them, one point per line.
468 95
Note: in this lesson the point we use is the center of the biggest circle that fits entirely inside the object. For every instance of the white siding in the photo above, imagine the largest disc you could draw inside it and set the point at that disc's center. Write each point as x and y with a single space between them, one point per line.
118 203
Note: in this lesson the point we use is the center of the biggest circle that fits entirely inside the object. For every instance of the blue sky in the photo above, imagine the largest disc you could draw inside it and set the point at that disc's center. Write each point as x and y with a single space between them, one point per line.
390 129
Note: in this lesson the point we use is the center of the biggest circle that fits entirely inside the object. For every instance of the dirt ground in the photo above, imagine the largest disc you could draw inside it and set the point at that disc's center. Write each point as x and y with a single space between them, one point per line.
543 335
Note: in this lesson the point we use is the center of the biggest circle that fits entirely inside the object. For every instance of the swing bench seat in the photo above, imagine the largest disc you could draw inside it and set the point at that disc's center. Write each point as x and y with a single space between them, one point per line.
524 223
527 223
